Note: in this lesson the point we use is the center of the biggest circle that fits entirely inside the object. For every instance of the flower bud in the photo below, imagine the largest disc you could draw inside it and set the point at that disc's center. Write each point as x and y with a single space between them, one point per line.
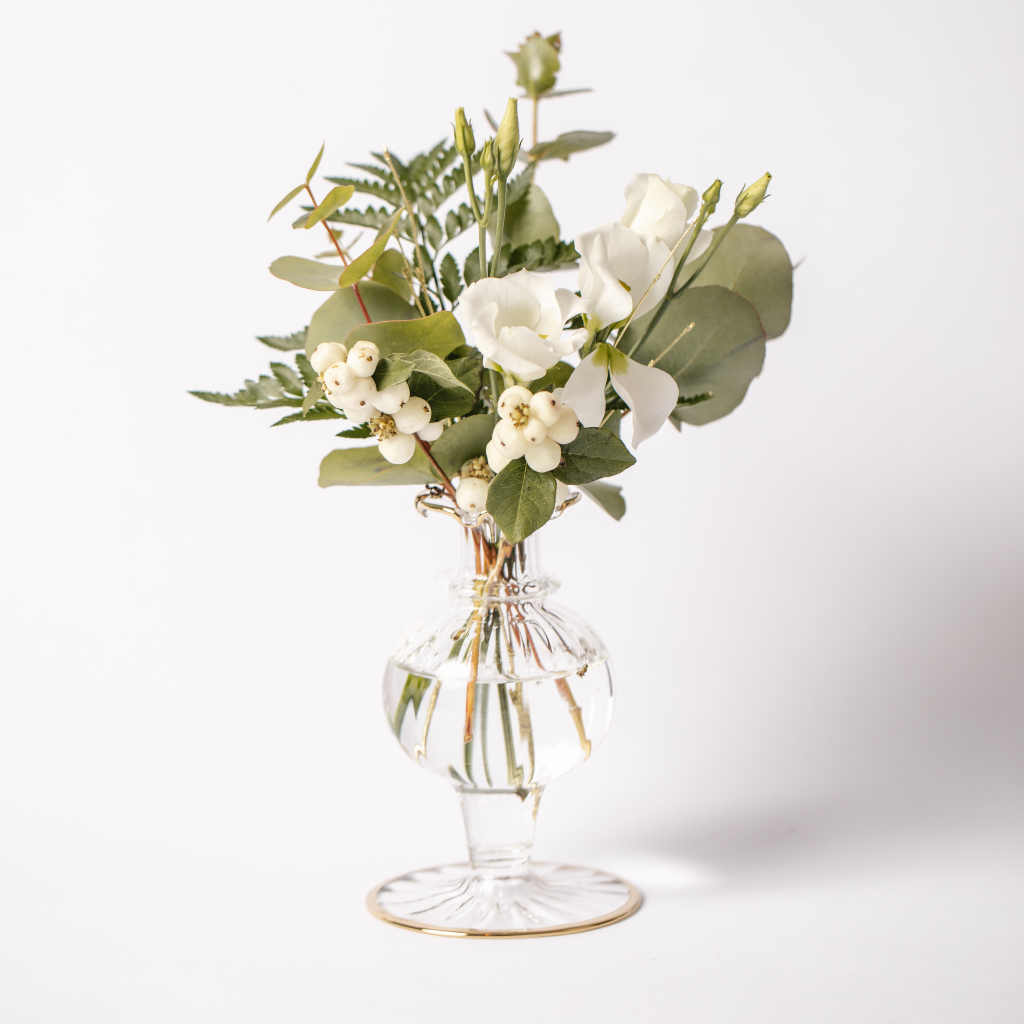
390 399
338 379
464 141
566 428
506 142
326 354
471 494
495 459
398 449
487 157
432 431
534 432
514 398
362 394
752 197
546 408
543 457
414 415
713 193
363 358
508 440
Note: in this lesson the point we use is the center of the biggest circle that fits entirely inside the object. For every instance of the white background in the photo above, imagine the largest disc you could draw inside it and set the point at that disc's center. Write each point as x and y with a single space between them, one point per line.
815 770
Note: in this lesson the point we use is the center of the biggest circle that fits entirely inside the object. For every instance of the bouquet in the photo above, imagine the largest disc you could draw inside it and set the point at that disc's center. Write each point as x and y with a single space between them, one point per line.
478 377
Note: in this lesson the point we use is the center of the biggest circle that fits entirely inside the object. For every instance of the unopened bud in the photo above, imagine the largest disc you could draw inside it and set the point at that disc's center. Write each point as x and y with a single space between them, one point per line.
712 195
506 142
752 197
487 157
464 141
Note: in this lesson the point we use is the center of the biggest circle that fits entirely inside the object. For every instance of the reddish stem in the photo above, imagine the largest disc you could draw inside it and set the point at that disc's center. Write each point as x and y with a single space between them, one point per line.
443 475
344 258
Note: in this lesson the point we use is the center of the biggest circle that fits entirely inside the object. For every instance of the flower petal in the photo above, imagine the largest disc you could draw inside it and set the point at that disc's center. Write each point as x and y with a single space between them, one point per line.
569 303
651 393
584 390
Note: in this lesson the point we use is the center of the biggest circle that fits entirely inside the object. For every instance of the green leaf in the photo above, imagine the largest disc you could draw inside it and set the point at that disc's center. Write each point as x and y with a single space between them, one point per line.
721 354
555 377
360 432
337 197
315 393
368 218
438 333
595 453
469 370
390 371
536 64
551 254
341 312
360 266
521 500
306 372
608 496
518 185
696 399
286 344
412 693
316 164
464 440
311 274
471 268
321 411
389 270
451 283
287 199
289 380
432 380
530 219
366 467
432 229
457 221
571 142
753 263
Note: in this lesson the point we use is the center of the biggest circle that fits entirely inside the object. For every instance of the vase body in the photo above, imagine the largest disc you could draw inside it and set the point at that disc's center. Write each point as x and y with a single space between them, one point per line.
499 692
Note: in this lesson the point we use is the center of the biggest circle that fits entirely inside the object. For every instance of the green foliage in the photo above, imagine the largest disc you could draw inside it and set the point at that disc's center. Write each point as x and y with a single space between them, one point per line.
286 344
471 268
316 164
413 693
571 142
753 263
550 254
458 220
289 380
389 270
464 440
321 411
287 199
306 371
311 274
315 393
451 283
361 265
721 354
438 333
334 320
537 64
521 500
469 370
337 197
595 453
391 370
608 496
371 217
555 377
360 432
366 467
432 380
530 219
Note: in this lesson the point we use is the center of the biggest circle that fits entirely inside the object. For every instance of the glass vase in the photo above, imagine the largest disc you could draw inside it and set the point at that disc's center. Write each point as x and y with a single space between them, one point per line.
500 693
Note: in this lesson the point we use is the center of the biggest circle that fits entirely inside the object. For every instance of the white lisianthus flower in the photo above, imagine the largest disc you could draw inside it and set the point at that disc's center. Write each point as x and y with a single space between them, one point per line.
517 322
650 393
665 210
616 268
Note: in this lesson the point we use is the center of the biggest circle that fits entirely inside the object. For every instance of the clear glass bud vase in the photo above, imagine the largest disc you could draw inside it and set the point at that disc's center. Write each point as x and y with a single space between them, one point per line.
500 693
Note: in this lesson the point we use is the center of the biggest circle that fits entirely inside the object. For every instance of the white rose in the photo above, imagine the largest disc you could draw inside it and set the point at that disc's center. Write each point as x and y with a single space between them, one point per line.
665 210
517 322
616 268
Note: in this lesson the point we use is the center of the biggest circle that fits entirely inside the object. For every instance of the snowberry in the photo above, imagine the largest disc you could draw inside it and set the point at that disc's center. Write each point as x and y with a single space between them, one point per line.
495 459
359 414
398 449
509 439
534 432
471 494
338 379
390 399
514 398
326 354
432 431
565 427
363 358
545 407
414 415
543 457
362 393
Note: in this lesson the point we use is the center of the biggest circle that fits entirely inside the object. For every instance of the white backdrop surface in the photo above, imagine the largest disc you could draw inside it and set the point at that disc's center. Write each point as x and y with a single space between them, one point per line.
815 770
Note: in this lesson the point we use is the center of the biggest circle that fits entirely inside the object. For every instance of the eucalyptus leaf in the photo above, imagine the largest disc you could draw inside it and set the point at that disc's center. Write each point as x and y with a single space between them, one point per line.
287 199
753 263
521 500
315 393
595 453
530 219
366 467
608 496
336 198
554 377
316 164
311 274
438 333
721 354
391 370
462 441
341 312
360 266
571 142
389 270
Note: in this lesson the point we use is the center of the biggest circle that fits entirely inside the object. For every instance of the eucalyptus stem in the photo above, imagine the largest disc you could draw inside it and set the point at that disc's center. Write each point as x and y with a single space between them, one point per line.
344 258
499 227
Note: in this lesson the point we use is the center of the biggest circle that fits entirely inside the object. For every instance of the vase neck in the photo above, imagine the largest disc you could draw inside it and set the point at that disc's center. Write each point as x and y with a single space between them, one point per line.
491 566
499 831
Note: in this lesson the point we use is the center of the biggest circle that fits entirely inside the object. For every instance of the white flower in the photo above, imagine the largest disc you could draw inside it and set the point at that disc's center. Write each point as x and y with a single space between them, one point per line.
616 268
517 322
651 393
664 210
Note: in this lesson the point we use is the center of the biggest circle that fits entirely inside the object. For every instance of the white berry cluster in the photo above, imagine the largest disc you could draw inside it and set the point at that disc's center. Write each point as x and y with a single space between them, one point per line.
531 426
393 414
473 481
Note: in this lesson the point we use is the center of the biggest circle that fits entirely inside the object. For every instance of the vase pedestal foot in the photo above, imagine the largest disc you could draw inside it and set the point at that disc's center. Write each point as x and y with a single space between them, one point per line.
546 899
